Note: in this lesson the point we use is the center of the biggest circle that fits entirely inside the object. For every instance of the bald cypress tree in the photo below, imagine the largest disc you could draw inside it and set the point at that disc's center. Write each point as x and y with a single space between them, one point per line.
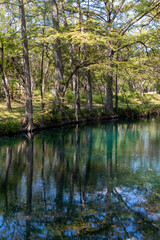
28 119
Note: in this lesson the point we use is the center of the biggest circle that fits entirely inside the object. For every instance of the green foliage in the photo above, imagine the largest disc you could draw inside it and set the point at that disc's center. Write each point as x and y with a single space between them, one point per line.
69 96
56 114
124 45
10 126
98 98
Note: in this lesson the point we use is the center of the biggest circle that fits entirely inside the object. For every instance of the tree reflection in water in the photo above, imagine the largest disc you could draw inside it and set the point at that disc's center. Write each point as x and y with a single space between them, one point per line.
90 182
29 166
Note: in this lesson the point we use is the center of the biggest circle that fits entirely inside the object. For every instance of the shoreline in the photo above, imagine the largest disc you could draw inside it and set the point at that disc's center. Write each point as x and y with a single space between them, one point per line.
122 114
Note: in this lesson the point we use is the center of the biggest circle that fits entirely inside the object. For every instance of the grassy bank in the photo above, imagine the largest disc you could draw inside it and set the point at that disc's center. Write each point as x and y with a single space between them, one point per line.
140 107
130 106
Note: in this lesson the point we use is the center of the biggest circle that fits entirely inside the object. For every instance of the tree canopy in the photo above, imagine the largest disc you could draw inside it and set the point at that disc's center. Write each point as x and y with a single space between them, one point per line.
78 47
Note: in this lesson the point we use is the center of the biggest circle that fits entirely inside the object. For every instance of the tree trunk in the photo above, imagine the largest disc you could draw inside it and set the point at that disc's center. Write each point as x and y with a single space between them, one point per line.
79 12
4 82
41 87
116 96
109 89
88 77
28 119
62 9
58 72
57 56
75 79
109 98
89 90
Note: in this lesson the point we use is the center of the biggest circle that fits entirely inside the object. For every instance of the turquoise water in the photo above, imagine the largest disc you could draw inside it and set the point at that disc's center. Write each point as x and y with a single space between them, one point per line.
88 182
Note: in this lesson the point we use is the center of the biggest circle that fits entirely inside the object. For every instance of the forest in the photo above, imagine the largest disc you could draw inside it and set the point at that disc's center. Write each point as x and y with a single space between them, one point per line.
64 60
68 67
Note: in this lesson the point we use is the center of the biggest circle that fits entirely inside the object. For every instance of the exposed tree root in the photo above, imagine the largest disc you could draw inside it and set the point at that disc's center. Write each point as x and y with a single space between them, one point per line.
30 127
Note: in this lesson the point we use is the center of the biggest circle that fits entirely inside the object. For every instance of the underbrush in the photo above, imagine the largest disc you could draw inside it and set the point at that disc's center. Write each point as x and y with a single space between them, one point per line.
10 126
129 106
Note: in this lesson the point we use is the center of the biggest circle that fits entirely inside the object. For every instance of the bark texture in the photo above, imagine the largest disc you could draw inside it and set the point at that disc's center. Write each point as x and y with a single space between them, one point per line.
57 56
42 87
28 119
89 90
75 80
109 89
109 98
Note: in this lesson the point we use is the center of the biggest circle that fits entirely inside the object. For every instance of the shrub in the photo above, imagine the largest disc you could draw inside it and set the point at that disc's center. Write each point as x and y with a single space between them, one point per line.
69 96
10 126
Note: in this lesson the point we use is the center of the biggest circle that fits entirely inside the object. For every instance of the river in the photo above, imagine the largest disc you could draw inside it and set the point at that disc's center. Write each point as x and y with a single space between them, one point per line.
85 182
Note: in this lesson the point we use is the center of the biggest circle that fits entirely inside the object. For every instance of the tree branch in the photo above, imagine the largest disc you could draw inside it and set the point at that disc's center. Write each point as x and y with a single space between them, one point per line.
130 44
136 19
81 65
118 10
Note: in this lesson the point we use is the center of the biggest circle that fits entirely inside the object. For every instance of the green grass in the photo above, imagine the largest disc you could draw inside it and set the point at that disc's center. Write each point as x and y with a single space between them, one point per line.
17 111
136 105
132 103
136 100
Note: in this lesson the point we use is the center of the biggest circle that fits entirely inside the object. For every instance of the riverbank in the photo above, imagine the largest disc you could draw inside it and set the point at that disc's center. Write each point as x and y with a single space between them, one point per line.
12 126
10 122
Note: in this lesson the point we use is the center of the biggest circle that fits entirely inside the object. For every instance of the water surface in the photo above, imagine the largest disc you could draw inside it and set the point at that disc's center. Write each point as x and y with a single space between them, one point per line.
90 182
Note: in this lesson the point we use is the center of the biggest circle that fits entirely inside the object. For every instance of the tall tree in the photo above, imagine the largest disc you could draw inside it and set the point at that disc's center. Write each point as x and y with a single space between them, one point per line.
57 55
112 14
89 89
28 119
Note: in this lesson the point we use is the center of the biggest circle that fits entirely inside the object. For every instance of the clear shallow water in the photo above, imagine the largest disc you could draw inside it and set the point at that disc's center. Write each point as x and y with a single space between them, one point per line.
93 182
